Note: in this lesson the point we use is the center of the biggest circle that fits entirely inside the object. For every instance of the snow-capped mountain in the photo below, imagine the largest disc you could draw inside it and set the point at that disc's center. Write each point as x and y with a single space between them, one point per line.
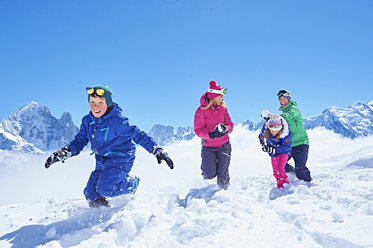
168 134
354 121
12 142
34 129
252 126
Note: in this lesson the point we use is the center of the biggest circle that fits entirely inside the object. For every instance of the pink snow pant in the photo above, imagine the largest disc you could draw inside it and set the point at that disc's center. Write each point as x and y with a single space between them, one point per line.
278 165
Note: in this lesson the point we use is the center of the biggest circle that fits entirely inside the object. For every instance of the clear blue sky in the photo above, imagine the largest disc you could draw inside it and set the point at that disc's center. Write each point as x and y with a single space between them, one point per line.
158 56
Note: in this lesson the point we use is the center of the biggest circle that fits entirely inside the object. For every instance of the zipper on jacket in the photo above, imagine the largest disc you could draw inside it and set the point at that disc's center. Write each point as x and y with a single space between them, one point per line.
94 136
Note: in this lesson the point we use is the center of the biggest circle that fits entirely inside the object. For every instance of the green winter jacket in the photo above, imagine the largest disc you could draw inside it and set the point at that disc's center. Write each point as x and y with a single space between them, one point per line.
294 119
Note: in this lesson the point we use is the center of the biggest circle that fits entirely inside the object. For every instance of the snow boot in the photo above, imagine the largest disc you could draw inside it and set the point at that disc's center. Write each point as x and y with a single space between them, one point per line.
281 182
99 202
289 168
223 183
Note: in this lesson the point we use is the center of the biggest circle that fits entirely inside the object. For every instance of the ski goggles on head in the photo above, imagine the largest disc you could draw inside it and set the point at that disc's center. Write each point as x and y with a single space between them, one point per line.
99 92
223 91
284 93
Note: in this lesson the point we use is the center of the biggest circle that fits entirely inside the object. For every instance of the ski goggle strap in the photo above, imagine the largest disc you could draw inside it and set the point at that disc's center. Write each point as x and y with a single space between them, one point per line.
284 93
223 91
99 92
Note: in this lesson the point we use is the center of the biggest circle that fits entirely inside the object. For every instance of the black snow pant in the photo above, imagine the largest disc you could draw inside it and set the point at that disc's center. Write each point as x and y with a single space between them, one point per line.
300 156
215 162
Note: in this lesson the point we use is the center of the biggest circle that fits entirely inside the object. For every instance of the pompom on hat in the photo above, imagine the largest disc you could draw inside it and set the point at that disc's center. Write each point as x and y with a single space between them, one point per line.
215 90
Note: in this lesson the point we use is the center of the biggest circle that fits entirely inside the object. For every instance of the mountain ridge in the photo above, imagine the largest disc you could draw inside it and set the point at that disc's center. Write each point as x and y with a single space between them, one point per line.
34 129
352 122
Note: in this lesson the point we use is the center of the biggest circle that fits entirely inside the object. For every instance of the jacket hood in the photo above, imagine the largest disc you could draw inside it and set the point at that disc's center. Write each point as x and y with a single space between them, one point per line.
285 128
204 101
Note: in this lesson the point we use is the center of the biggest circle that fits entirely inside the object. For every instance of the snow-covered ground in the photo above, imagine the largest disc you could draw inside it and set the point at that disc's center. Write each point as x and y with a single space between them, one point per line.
46 208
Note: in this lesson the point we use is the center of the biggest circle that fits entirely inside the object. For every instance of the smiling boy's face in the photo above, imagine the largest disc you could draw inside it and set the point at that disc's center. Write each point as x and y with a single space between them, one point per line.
97 105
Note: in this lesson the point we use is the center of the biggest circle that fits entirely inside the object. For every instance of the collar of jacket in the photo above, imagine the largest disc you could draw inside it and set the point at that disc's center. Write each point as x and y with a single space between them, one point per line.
289 105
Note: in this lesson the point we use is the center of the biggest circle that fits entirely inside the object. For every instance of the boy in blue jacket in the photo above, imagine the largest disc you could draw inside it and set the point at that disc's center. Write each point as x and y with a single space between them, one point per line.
111 137
275 139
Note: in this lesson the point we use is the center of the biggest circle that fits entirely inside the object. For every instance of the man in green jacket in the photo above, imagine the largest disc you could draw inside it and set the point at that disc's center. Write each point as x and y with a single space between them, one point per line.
300 145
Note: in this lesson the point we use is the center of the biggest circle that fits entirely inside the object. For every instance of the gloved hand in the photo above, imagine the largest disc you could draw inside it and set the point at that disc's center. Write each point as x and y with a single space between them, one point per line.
60 155
220 131
269 149
261 139
161 155
265 115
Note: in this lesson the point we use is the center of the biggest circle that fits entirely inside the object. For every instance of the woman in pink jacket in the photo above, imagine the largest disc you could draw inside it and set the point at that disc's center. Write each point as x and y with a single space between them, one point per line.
212 123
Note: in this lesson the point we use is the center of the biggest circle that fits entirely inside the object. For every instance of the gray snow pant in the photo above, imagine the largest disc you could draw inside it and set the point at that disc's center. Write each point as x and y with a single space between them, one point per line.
215 162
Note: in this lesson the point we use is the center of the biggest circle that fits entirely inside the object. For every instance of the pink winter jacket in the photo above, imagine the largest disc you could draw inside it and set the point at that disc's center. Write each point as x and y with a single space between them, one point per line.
205 120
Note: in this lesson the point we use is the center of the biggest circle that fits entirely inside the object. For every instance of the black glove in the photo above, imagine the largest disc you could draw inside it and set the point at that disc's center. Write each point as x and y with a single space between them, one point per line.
161 155
269 149
60 155
261 139
220 131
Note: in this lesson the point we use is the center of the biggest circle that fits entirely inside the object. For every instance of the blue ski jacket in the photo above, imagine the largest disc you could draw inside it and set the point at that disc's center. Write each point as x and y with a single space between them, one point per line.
111 136
283 143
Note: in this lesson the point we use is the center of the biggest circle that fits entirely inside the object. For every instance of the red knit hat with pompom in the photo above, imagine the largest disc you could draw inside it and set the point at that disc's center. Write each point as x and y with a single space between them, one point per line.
213 86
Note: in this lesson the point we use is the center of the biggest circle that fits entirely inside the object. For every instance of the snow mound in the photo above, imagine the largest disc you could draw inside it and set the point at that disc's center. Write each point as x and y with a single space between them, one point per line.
328 213
361 163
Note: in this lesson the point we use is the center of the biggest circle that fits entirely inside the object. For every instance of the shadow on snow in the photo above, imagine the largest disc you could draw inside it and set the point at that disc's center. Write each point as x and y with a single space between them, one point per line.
205 193
34 235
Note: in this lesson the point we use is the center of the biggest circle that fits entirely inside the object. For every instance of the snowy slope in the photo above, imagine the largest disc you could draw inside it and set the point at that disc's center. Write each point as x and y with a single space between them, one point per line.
45 208
10 142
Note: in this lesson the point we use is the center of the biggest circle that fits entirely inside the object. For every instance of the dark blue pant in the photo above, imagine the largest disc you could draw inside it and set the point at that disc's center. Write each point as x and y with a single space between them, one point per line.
215 162
300 156
108 179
